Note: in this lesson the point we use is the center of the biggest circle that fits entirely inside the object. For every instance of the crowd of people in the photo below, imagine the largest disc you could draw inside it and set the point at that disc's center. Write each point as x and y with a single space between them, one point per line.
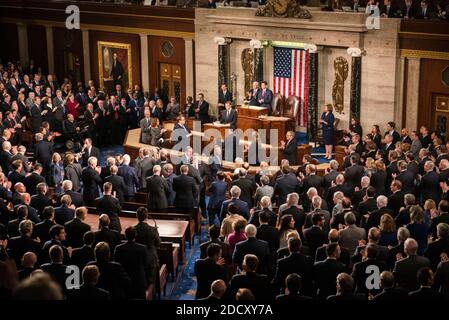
286 234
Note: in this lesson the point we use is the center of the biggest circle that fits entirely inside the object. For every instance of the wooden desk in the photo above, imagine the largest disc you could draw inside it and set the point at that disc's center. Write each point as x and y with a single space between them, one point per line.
169 230
281 124
222 128
251 111
340 154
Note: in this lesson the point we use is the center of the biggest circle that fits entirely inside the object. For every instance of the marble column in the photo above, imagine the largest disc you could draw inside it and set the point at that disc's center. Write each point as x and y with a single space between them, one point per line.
86 56
50 49
144 64
223 60
312 91
22 38
356 81
413 66
258 56
190 63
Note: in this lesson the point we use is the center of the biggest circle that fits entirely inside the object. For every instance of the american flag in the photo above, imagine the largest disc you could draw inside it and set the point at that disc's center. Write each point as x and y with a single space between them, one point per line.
290 77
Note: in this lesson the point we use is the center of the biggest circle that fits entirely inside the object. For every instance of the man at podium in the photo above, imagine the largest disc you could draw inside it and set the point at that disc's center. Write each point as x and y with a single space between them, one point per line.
229 115
265 96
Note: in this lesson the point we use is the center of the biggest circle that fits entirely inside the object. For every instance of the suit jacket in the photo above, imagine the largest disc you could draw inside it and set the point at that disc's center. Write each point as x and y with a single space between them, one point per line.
430 187
420 14
267 97
91 183
405 271
442 278
345 255
374 217
94 152
257 283
145 126
77 198
18 246
39 202
396 202
57 272
290 152
113 278
434 250
42 230
131 181
88 293
360 274
118 186
203 114
158 190
285 184
231 119
111 206
325 273
207 271
43 151
225 250
315 238
443 217
254 219
269 234
253 98
15 177
254 246
217 191
242 206
247 188
350 236
295 263
407 179
64 214
111 237
144 169
75 230
353 175
186 191
135 260
149 237
224 97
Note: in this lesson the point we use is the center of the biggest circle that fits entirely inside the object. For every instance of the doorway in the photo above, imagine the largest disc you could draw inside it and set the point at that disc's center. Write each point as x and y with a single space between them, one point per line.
170 80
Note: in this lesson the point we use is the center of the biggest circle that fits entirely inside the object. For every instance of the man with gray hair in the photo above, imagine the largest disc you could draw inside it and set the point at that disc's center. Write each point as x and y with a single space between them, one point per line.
91 181
144 168
43 151
296 210
429 184
158 190
130 178
252 245
241 205
402 235
351 234
247 187
373 219
20 155
406 269
316 208
77 198
438 247
265 204
18 246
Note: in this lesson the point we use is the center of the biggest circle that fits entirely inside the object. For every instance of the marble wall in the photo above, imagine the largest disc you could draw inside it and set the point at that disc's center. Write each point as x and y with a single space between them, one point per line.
332 32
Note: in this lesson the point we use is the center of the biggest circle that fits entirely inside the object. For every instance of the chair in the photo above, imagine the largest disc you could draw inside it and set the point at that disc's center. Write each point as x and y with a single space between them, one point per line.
291 107
277 105
168 254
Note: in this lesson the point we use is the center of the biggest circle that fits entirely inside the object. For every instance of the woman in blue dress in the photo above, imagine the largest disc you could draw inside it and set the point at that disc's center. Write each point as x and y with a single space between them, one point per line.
56 172
327 123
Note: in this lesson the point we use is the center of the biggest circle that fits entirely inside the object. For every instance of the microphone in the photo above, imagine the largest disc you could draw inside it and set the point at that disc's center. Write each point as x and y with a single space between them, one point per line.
154 220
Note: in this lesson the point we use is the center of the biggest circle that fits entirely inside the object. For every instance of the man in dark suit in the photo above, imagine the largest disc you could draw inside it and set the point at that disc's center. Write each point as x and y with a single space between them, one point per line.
406 269
186 191
181 132
285 184
202 109
425 292
89 151
5 157
111 237
253 94
109 205
57 237
429 185
373 218
43 151
209 269
117 70
268 233
289 148
325 272
424 12
149 237
18 246
77 198
42 229
242 206
387 147
254 246
396 199
440 246
91 181
64 213
311 180
443 208
389 292
334 237
158 190
406 177
12 228
265 97
118 184
84 254
39 201
354 173
144 169
368 204
229 115
247 187
134 259
25 200
217 191
88 290
56 268
76 228
130 178
224 95
214 234
252 280
113 277
360 271
36 114
315 236
297 263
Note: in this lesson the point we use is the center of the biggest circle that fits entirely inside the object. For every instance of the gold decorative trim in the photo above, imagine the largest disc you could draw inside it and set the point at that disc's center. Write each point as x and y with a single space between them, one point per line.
127 46
422 34
94 27
286 44
424 54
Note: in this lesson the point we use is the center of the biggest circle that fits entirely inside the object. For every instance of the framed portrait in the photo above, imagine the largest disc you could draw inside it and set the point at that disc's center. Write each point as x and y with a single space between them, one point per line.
115 66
